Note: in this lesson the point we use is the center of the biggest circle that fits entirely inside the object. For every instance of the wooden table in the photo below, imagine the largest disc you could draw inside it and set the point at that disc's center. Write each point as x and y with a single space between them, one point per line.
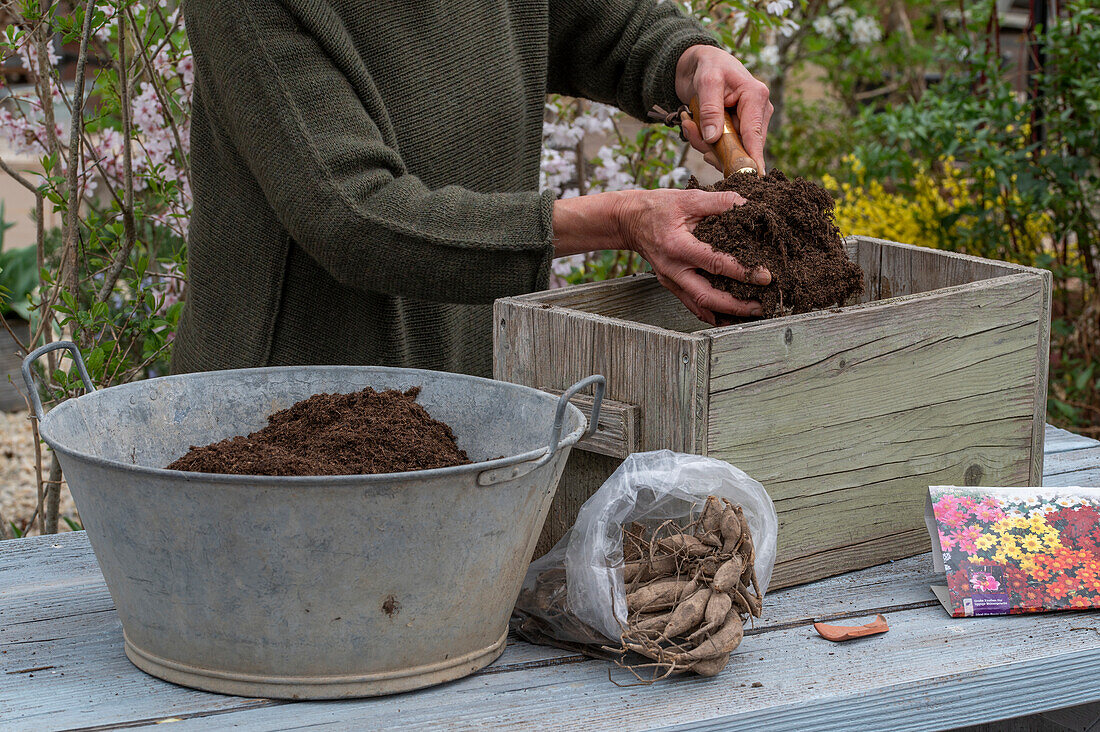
62 665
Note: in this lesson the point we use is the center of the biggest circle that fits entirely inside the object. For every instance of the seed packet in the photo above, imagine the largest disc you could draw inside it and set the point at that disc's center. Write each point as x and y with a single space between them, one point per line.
1005 551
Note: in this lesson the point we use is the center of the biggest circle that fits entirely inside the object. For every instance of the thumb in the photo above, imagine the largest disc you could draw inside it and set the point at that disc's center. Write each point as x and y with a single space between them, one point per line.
708 203
712 110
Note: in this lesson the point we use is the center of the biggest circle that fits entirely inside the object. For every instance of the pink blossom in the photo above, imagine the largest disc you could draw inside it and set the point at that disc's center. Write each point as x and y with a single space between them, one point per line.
186 69
103 32
964 538
147 112
988 514
947 501
950 517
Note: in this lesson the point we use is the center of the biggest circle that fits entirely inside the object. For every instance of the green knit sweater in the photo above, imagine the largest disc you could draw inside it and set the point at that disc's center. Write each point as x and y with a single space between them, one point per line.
365 174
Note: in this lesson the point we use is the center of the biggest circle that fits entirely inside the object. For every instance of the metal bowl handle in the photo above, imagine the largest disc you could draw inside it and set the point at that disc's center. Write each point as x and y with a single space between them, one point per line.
28 373
510 471
563 402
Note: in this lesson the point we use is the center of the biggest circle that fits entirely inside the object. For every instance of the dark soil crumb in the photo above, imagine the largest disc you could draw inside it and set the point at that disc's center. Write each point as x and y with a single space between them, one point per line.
787 227
336 434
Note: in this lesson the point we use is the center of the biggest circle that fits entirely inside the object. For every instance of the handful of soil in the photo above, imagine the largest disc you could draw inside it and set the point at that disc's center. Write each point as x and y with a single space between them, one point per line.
785 226
362 433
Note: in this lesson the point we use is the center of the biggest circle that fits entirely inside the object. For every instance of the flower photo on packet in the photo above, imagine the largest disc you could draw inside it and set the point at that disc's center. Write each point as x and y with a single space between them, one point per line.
1006 551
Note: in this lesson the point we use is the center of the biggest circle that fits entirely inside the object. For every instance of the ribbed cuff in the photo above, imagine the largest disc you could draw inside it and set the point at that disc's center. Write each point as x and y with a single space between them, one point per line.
542 274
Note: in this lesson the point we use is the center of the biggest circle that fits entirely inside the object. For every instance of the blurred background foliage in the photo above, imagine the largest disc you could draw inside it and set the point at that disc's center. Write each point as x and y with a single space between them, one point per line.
961 126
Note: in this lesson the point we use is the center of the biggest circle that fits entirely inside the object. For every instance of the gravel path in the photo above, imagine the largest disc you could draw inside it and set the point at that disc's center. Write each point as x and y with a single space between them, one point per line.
18 494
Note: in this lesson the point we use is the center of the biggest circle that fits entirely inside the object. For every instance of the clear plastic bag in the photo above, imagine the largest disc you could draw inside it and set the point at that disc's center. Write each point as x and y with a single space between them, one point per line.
575 593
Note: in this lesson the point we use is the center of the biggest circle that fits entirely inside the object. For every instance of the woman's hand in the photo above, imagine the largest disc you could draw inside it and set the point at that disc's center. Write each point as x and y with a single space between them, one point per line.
722 82
658 225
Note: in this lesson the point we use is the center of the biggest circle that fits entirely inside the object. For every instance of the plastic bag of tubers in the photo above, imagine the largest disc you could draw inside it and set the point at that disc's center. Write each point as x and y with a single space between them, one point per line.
666 560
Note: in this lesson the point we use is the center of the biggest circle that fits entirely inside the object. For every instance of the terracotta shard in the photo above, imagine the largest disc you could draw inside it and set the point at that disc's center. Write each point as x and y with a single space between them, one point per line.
839 633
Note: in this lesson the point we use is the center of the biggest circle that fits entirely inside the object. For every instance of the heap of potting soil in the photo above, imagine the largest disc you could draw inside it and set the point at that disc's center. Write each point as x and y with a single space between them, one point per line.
785 226
336 434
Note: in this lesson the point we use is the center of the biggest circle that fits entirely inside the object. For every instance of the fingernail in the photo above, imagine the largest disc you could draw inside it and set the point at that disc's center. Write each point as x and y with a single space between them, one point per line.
762 277
709 131
757 310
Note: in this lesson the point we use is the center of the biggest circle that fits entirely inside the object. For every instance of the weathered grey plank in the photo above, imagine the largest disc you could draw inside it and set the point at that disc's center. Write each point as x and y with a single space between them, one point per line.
640 299
84 645
848 417
1042 367
1089 477
660 371
867 253
879 549
1059 440
906 269
929 672
530 691
54 606
1076 460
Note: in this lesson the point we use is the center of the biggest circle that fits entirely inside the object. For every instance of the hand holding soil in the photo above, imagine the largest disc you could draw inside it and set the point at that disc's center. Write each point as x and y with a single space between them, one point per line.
658 225
746 247
786 226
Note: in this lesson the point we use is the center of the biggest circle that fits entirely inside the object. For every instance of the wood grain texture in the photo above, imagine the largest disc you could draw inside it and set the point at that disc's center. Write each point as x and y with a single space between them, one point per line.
584 473
617 429
831 561
867 253
910 270
847 417
1089 478
929 672
661 372
638 298
937 376
1042 366
1060 463
806 685
1059 440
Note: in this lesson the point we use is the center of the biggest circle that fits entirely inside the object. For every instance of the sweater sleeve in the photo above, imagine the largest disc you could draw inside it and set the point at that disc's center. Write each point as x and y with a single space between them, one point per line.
621 52
343 193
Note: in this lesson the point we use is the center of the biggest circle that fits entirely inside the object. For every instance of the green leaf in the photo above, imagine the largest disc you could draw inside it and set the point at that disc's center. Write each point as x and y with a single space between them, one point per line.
1084 377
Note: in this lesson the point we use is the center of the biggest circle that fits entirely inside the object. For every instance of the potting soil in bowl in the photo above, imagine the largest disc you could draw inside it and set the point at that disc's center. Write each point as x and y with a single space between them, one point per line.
361 433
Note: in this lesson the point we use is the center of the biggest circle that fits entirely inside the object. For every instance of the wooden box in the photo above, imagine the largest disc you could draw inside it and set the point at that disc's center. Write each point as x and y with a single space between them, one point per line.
937 377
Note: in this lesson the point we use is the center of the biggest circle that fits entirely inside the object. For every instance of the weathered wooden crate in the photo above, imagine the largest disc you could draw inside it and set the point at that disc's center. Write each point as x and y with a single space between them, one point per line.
938 377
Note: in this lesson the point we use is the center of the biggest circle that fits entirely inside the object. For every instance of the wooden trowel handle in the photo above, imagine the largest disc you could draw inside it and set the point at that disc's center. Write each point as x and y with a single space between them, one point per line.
729 148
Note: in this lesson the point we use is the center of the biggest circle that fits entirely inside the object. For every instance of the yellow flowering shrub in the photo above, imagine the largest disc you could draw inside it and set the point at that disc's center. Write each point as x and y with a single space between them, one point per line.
939 211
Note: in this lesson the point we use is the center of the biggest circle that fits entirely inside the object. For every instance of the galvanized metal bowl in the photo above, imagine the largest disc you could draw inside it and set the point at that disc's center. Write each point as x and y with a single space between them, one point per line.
309 587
